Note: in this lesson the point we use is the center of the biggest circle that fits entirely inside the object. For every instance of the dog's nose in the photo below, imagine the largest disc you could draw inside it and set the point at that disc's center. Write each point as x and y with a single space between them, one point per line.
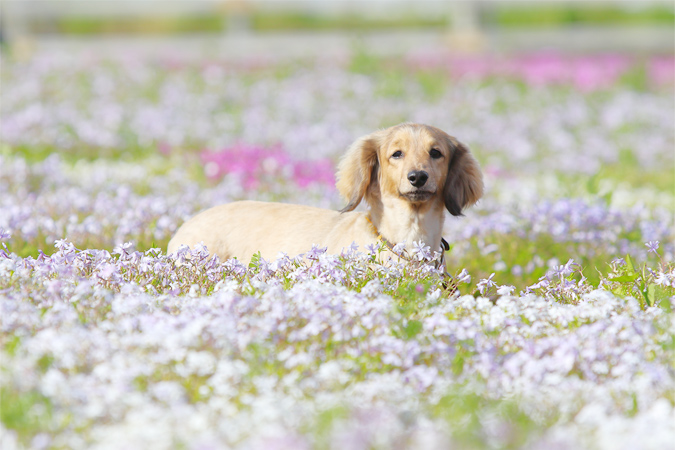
418 177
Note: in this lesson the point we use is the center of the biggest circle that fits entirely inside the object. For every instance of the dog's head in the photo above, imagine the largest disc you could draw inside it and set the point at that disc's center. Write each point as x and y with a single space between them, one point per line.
417 163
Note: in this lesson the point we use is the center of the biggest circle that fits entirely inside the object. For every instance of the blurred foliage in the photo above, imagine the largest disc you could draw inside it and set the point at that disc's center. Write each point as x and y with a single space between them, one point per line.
635 177
83 25
214 23
262 21
27 413
470 409
510 15
549 15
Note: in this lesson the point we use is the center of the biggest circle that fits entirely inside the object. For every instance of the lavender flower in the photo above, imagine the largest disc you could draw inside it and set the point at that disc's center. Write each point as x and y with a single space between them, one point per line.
399 248
653 246
464 276
421 251
486 284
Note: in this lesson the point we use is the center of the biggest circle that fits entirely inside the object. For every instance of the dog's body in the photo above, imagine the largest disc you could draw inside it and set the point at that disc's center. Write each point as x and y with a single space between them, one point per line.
408 174
244 228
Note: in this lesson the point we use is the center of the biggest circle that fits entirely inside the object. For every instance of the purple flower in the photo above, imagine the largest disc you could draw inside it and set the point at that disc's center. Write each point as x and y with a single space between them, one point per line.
122 249
464 276
64 245
399 248
315 252
200 252
619 261
485 285
107 271
563 271
350 251
653 246
421 251
372 248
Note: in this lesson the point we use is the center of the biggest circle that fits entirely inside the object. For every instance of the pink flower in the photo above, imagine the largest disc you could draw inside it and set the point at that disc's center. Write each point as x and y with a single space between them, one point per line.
253 164
308 172
661 71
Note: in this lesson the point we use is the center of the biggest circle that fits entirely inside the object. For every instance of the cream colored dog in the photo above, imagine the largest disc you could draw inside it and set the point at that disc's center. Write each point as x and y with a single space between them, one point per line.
408 174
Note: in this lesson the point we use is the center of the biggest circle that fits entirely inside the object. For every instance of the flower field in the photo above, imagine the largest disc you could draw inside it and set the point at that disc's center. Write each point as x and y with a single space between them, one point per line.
555 330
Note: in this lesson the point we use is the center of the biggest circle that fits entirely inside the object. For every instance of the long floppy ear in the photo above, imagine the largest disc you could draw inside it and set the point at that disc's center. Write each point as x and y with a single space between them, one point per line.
464 182
357 169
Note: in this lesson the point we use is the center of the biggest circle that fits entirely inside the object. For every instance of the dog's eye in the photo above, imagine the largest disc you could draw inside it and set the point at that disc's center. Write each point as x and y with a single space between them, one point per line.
435 153
397 154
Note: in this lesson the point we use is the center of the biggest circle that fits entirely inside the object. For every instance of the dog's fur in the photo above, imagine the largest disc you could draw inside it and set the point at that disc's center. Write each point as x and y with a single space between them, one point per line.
377 168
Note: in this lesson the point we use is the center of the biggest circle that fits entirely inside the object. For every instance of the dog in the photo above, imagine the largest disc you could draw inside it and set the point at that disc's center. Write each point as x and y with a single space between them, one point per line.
408 174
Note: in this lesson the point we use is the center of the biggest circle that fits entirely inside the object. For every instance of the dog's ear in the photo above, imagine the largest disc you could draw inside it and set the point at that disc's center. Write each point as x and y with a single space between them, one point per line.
464 182
358 169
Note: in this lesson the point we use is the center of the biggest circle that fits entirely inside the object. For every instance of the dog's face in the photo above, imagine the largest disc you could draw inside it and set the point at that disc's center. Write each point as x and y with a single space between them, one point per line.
413 164
416 163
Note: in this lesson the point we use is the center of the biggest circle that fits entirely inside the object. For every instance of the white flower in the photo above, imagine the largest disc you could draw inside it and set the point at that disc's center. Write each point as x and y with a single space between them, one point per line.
505 290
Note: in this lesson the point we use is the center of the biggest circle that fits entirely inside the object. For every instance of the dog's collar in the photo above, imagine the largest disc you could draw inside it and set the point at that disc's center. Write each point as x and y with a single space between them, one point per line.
382 238
440 262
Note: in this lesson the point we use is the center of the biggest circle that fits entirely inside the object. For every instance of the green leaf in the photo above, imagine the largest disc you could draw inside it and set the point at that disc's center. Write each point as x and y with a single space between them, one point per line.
592 184
650 294
412 329
326 420
629 264
27 413
45 362
625 278
255 260
12 344
608 197
617 291
457 364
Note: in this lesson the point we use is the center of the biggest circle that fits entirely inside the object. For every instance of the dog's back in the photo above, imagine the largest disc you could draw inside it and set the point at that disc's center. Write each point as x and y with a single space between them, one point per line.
241 229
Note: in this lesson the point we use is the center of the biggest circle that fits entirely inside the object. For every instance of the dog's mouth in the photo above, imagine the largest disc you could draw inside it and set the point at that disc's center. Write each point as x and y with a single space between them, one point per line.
417 196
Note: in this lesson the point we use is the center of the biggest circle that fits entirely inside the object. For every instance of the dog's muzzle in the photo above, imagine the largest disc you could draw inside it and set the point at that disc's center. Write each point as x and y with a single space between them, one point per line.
418 178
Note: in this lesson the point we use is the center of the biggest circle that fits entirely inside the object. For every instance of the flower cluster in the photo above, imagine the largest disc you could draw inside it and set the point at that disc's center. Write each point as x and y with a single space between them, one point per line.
131 106
555 329
125 345
253 165
102 204
585 73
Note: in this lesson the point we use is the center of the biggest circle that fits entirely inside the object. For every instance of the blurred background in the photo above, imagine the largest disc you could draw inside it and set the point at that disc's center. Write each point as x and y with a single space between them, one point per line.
239 29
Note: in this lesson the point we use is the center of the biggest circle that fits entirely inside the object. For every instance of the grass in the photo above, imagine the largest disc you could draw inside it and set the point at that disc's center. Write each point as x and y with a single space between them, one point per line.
27 413
464 412
531 15
564 14
145 24
289 21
